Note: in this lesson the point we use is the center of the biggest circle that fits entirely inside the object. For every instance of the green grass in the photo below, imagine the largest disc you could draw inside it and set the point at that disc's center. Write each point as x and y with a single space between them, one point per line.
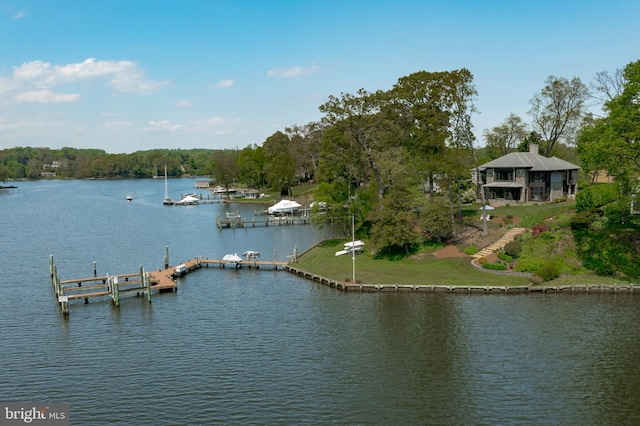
534 214
425 270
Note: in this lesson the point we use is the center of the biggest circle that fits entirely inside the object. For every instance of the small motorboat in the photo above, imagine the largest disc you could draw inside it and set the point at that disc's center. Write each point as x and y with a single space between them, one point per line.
251 255
129 197
233 259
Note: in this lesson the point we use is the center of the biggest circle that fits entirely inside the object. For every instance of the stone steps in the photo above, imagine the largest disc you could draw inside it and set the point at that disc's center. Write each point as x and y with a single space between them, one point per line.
498 245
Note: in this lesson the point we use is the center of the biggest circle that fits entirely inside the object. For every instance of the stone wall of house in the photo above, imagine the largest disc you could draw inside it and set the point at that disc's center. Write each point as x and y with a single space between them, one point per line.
522 177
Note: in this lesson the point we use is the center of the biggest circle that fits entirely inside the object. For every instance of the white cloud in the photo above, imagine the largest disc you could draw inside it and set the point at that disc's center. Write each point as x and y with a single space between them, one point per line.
293 72
19 125
19 15
47 97
118 124
183 104
223 84
125 76
164 125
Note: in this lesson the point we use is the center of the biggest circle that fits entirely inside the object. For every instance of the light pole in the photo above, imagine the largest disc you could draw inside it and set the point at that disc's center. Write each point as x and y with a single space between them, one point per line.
353 247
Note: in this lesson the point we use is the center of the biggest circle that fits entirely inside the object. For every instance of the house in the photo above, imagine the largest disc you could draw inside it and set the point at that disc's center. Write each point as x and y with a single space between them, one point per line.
528 177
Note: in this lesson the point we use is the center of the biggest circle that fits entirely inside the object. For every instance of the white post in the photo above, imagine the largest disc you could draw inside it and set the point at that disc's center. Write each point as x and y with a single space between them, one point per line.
353 247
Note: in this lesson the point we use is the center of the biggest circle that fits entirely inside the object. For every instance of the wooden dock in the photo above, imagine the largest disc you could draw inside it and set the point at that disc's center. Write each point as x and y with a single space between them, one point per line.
236 221
140 283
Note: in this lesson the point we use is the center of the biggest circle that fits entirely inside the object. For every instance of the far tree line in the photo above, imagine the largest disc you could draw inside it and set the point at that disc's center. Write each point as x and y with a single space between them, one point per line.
400 160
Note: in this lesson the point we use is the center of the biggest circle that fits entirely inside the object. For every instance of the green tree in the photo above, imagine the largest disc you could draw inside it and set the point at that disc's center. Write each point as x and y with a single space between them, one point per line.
251 163
4 173
612 142
224 168
558 110
364 129
276 144
305 147
393 225
281 173
435 220
505 138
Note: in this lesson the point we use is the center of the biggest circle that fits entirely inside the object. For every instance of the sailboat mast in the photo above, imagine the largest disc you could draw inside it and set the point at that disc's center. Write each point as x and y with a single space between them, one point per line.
166 191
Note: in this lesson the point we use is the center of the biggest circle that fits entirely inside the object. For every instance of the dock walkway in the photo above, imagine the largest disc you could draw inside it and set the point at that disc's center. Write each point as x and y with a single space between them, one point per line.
141 283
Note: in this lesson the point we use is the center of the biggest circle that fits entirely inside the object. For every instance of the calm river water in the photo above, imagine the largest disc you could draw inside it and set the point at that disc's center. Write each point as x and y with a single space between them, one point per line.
264 347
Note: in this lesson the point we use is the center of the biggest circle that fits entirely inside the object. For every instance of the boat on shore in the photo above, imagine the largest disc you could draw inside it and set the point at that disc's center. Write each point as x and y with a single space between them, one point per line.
355 247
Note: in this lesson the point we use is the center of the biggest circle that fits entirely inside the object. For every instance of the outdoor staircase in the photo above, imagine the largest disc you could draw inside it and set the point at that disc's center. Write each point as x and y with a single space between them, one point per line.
506 238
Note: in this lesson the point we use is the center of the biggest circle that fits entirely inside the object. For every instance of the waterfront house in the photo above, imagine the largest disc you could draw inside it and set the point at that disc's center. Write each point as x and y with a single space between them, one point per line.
528 177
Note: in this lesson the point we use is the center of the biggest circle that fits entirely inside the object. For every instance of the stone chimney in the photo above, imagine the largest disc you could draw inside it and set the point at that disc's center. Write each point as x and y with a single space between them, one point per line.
533 148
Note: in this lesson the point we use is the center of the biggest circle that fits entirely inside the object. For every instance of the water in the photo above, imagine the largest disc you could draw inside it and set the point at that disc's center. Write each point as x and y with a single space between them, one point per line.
264 347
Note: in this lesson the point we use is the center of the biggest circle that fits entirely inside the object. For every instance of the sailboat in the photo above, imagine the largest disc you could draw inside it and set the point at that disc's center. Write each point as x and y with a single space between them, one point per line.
167 201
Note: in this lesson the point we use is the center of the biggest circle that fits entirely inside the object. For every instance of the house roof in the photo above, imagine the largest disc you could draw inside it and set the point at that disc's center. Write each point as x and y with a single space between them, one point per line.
528 160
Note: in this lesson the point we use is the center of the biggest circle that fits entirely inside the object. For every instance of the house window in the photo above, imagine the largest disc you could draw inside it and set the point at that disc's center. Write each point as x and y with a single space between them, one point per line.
536 177
537 193
505 176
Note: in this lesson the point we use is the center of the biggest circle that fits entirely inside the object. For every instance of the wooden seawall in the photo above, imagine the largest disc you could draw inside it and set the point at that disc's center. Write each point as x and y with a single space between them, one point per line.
461 289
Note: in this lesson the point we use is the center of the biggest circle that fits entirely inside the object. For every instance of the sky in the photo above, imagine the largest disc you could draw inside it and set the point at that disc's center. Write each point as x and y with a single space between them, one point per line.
130 75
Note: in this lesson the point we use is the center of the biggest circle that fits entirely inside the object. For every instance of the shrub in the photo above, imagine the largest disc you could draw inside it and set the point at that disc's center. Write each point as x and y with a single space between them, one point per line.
495 266
513 248
529 264
482 260
539 229
550 271
583 219
505 257
595 196
547 236
471 250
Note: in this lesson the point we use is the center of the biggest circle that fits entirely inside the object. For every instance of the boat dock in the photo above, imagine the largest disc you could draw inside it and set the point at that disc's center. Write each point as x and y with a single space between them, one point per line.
235 220
139 283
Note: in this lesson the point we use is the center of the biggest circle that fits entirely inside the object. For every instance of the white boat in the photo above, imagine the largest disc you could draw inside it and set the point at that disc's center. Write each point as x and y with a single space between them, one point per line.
284 206
167 201
351 247
129 197
349 250
188 200
251 255
357 244
232 258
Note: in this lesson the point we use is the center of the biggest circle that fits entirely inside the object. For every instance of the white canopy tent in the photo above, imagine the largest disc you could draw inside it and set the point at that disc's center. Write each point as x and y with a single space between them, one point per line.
284 206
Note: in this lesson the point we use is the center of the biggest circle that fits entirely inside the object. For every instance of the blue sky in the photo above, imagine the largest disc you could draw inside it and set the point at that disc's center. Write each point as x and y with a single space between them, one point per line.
128 75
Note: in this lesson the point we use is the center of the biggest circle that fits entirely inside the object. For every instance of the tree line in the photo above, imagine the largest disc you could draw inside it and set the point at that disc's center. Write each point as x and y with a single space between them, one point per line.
34 163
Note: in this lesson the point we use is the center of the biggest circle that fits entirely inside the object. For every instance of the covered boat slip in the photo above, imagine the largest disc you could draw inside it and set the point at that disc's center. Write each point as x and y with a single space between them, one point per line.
283 213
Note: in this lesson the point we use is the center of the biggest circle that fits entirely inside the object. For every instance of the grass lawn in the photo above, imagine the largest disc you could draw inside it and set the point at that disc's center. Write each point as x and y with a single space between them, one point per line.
534 214
426 270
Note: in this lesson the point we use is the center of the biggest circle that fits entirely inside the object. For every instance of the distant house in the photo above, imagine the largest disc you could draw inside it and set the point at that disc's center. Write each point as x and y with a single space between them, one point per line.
528 177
